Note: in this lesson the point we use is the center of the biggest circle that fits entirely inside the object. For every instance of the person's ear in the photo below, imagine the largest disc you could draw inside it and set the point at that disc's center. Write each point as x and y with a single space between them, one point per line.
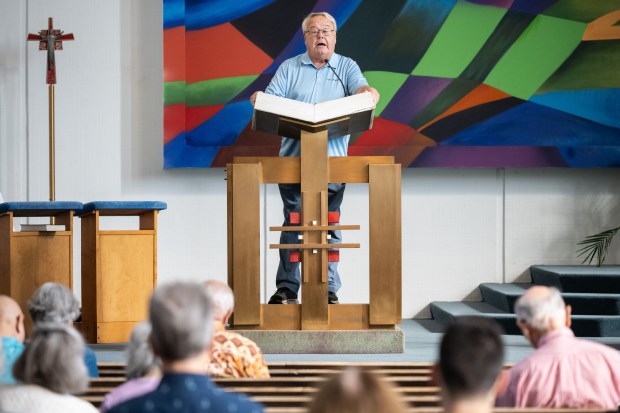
435 375
20 329
227 316
567 321
524 329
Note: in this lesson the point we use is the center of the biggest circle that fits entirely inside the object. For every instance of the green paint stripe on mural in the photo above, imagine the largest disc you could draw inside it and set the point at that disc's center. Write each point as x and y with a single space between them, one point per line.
174 93
216 91
593 65
532 59
580 10
387 83
461 37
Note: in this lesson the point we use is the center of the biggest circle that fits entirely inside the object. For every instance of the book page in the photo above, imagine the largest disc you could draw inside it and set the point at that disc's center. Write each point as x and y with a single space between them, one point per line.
284 107
314 113
336 108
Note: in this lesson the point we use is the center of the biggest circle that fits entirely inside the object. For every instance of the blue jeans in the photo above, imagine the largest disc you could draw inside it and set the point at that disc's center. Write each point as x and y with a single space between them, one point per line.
288 274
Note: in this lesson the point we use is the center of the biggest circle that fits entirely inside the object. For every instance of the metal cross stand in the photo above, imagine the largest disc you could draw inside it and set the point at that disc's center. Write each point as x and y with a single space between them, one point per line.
51 40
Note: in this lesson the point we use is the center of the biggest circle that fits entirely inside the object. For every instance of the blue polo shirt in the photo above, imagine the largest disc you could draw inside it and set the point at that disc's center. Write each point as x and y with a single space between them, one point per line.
297 78
188 393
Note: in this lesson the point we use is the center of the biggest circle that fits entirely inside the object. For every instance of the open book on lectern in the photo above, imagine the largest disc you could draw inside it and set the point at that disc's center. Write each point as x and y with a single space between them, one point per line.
288 117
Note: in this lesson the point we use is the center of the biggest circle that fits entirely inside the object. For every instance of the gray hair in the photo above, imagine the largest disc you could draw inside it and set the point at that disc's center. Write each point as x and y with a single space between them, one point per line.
221 296
182 320
53 302
538 311
304 23
140 357
54 359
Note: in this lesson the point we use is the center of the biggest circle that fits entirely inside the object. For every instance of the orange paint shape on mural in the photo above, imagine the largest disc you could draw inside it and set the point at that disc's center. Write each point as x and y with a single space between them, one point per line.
174 54
220 52
604 28
481 94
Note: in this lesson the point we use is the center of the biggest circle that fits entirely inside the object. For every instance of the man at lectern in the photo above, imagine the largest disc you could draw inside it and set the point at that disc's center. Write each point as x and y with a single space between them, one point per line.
318 75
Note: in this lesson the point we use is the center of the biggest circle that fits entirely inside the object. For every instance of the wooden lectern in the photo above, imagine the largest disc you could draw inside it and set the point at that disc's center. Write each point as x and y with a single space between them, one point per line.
119 269
314 170
29 259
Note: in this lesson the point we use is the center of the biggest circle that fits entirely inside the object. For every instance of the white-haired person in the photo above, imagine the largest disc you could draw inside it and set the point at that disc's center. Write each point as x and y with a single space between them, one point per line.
317 75
181 319
12 336
49 372
54 303
563 371
143 369
232 355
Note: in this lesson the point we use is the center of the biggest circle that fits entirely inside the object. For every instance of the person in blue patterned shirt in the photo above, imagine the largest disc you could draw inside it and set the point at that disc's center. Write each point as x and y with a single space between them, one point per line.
181 317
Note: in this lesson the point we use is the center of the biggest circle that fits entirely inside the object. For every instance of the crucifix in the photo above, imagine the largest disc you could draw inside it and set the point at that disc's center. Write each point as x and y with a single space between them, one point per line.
51 40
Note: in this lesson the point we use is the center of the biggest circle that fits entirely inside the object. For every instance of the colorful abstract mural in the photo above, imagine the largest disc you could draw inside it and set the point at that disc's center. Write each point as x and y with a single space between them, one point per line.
478 83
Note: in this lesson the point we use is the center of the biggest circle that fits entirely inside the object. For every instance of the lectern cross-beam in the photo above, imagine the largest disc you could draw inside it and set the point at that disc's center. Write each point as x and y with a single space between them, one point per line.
314 170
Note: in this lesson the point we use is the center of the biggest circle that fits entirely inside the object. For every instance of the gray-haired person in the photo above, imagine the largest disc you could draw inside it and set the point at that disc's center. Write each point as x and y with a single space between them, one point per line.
143 370
181 317
232 355
53 302
563 371
49 370
317 75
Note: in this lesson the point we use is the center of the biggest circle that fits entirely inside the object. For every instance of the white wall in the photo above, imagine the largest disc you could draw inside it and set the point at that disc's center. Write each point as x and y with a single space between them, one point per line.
460 227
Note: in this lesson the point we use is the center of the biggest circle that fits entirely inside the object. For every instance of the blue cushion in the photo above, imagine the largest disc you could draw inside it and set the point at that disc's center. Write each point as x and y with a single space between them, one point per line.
40 208
122 207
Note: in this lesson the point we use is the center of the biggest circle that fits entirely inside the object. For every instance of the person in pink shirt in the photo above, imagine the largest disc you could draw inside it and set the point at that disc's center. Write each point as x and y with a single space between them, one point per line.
563 371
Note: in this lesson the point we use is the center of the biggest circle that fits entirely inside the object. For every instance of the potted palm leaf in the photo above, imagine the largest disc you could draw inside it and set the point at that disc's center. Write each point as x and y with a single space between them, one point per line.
596 246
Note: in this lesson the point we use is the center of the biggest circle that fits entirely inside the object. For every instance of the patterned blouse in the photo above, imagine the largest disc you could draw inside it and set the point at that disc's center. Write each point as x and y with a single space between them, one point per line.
235 356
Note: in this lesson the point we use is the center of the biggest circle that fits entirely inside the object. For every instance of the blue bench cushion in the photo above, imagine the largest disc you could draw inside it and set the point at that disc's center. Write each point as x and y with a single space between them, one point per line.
122 207
47 208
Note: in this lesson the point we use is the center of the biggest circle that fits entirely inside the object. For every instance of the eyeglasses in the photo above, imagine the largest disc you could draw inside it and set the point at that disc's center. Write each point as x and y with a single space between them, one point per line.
324 32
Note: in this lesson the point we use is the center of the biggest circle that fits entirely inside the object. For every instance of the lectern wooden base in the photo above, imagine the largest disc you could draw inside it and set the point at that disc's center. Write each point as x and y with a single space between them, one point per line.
30 259
383 176
119 270
314 170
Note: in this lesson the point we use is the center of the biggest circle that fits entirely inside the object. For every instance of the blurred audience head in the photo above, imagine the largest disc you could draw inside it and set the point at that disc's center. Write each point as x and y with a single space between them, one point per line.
356 391
54 359
181 318
140 358
11 319
223 300
540 310
470 361
53 303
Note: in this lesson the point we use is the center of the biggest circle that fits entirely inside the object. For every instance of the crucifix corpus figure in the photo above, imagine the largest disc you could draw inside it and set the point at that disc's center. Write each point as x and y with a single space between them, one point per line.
50 40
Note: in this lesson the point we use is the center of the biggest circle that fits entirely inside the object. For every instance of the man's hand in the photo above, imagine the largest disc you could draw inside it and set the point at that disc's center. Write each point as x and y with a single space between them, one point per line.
372 90
253 97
